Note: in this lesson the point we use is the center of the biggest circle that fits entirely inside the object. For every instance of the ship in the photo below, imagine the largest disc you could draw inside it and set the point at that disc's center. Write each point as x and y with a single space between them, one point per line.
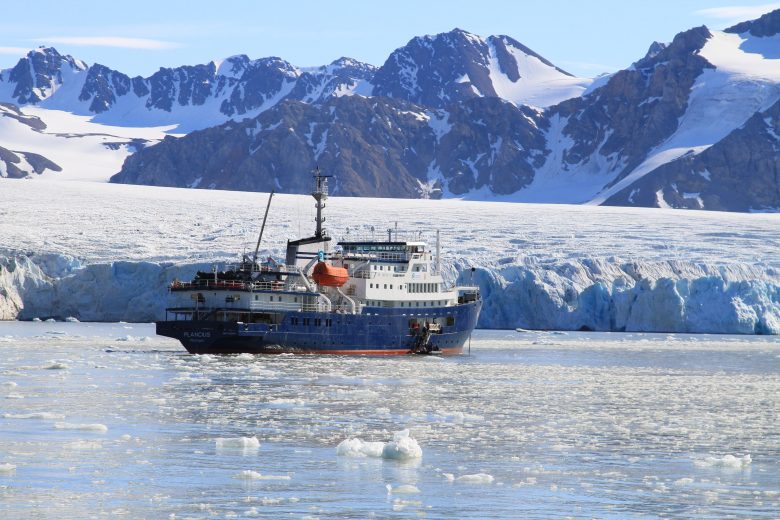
365 295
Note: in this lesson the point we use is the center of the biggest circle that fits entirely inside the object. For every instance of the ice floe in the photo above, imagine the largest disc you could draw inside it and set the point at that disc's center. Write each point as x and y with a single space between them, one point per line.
92 427
46 416
402 447
238 443
726 461
476 478
249 474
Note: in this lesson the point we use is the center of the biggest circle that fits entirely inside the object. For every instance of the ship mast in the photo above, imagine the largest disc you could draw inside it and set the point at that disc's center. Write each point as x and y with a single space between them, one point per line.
320 195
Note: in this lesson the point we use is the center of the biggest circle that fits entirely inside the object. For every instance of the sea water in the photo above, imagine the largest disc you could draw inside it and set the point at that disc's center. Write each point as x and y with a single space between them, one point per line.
109 420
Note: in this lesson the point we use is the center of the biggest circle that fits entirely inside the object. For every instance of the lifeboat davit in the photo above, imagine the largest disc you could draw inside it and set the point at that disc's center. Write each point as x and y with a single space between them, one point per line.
329 275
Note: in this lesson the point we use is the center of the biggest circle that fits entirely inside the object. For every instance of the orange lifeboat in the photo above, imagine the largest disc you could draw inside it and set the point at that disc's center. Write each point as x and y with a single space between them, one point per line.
330 276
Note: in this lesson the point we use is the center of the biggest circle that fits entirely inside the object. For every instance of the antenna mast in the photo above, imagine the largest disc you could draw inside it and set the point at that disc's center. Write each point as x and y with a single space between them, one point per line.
320 195
257 248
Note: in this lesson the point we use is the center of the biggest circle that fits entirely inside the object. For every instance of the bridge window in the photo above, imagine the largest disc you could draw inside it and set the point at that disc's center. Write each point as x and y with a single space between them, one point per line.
328 322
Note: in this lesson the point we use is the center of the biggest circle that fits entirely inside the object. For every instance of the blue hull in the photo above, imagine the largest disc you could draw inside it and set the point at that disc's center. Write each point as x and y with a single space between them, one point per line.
377 331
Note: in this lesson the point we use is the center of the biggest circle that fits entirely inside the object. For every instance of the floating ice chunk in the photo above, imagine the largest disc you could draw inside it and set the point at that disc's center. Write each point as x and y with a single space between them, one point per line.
94 427
726 461
36 319
245 356
240 443
476 478
8 384
448 476
14 395
685 481
359 448
7 468
403 489
402 447
71 319
85 445
399 505
248 474
56 365
46 416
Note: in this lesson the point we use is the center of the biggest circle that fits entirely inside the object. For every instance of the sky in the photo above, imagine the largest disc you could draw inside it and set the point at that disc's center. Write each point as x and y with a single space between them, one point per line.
585 38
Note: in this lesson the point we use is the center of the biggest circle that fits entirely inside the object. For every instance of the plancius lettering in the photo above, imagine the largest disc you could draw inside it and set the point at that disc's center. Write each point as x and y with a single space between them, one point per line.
197 334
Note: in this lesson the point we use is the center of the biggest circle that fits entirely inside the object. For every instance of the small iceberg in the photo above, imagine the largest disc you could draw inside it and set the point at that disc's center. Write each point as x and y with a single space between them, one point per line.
402 447
726 461
238 443
248 474
94 427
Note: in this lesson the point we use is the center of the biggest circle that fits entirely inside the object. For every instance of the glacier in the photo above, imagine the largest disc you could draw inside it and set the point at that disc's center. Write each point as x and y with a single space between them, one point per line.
105 252
586 294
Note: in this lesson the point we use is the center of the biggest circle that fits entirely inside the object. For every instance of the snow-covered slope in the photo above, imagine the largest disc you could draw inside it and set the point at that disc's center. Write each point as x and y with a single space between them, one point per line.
103 251
744 80
66 145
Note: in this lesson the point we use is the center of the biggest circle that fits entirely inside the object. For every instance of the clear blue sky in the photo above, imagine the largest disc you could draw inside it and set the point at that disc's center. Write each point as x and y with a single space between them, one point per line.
139 36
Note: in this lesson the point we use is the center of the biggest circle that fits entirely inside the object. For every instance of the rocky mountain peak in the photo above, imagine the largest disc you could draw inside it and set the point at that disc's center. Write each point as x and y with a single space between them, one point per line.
39 72
766 25
654 49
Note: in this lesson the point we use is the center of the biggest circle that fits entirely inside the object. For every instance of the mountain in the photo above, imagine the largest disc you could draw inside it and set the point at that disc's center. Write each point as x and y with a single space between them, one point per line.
189 97
691 124
373 146
696 104
452 67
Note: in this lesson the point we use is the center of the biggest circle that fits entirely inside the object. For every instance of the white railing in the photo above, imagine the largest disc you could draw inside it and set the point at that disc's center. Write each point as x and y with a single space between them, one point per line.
303 307
287 306
396 235
382 256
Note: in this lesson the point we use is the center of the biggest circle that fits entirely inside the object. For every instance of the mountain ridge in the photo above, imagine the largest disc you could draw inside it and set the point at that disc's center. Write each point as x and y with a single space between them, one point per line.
460 116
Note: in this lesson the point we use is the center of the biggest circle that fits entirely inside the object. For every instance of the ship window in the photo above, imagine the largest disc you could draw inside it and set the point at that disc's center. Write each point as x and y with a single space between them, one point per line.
317 322
293 321
256 297
450 320
418 304
391 286
328 322
305 322
385 286
296 299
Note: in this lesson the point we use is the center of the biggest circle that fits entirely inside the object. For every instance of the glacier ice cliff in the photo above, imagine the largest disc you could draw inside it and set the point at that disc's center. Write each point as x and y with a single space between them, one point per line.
610 295
604 294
